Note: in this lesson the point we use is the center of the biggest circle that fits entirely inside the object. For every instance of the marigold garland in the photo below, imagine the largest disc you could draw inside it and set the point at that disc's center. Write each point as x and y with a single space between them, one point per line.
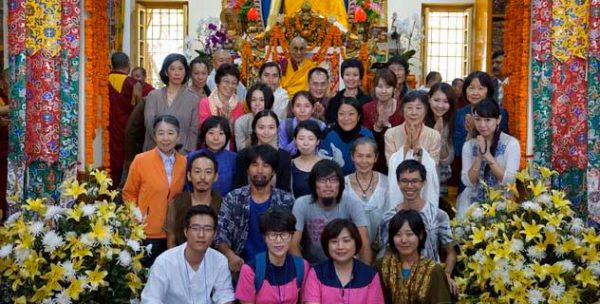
516 67
363 56
96 85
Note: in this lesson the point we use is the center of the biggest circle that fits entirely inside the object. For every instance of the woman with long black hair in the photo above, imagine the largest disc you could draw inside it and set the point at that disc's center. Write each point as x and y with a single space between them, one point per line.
491 156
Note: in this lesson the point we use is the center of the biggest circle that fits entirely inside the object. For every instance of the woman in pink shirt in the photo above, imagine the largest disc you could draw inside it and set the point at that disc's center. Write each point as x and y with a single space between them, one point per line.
342 278
274 276
223 101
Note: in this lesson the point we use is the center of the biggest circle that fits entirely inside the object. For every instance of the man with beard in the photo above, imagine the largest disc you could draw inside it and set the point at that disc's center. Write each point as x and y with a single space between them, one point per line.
238 236
325 203
201 171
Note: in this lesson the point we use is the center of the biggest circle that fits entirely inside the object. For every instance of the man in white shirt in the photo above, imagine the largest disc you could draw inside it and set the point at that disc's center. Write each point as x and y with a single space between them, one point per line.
270 74
220 57
191 272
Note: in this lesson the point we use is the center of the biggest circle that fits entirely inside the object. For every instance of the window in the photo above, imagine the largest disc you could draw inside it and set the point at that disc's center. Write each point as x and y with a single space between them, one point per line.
161 30
447 46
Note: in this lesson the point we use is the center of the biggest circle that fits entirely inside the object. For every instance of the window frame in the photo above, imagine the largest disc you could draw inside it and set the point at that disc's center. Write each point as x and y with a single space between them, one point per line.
468 59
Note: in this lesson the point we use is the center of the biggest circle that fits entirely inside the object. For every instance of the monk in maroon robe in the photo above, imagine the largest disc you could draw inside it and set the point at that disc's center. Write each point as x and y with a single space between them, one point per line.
124 92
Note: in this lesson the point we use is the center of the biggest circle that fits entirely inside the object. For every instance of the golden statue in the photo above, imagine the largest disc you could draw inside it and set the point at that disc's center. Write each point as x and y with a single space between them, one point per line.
334 8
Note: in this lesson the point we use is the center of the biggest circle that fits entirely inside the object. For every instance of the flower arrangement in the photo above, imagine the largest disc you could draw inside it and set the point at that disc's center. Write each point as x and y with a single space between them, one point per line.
527 247
369 11
212 36
405 36
87 253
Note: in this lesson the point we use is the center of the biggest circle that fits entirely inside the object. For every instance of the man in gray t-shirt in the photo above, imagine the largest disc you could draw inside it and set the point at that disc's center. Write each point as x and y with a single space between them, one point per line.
325 204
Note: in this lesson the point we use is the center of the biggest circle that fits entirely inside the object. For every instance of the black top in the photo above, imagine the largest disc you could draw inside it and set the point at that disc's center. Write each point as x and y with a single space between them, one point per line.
334 104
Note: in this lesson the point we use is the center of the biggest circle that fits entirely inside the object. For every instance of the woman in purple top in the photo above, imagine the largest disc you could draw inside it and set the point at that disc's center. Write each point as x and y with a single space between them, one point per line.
274 276
302 107
214 136
342 278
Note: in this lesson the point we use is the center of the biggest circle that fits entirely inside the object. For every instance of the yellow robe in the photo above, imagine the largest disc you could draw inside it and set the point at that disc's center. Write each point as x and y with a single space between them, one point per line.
294 81
335 8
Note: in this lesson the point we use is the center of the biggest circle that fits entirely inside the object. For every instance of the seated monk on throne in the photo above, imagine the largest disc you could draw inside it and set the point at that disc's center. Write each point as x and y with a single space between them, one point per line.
334 8
295 73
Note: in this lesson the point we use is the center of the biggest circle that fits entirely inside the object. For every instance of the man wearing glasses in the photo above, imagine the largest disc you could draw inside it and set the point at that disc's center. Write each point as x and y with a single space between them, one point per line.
326 203
239 237
191 272
411 176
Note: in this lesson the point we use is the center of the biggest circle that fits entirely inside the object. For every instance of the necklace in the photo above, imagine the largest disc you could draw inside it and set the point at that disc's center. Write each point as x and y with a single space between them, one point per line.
363 196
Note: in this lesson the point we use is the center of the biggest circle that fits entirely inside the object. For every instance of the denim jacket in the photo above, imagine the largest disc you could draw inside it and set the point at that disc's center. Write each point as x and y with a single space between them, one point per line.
234 216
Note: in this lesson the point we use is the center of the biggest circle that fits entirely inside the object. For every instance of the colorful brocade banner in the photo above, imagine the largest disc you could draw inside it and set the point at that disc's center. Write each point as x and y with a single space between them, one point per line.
44 47
565 95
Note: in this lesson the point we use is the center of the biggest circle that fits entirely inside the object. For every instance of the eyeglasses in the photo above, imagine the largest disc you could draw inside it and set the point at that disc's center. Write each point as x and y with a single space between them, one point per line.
410 181
330 179
197 228
230 83
273 236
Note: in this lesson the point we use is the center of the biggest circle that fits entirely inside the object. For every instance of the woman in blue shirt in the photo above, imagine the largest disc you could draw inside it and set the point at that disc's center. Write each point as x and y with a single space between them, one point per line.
339 137
215 133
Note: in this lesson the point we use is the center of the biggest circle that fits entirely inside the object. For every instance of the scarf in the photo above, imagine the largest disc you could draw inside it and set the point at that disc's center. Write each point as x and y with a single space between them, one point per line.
348 136
412 290
219 108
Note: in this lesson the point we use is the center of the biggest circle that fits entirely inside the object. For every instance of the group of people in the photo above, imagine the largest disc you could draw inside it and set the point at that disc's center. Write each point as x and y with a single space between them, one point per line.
280 197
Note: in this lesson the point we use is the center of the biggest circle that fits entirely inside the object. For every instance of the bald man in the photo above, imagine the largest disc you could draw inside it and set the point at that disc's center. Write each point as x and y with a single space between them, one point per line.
221 57
295 77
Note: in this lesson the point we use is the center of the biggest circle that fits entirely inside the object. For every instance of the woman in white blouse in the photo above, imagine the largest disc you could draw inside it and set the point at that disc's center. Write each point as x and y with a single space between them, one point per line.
492 156
368 187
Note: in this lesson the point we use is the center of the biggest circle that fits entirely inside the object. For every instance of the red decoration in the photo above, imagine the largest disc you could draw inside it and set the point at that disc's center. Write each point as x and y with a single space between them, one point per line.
359 14
252 14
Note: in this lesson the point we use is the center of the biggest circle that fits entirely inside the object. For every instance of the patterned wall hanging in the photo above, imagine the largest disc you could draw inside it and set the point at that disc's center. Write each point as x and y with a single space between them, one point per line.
565 97
44 76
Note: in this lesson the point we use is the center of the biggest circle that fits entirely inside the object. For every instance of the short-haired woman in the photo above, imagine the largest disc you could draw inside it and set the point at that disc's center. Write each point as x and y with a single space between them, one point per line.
152 192
342 278
347 128
174 99
407 277
368 187
275 276
223 101
215 133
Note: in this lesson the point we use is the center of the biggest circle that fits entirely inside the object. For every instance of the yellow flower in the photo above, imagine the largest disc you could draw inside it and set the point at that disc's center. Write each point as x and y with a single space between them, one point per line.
546 173
531 231
36 205
591 254
591 238
558 198
569 245
101 177
554 219
512 188
56 273
551 238
522 175
31 265
40 294
586 278
20 300
75 213
75 189
99 231
96 278
106 210
75 288
478 235
537 188
133 282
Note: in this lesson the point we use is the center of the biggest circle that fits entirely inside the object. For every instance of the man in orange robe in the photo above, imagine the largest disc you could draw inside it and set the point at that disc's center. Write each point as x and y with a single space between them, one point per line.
295 73
124 92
